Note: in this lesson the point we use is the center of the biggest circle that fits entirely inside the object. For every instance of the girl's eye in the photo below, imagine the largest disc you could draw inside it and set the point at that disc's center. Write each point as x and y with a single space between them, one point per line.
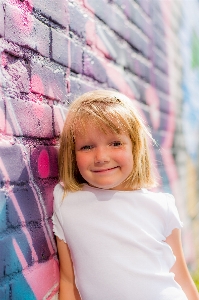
86 147
116 144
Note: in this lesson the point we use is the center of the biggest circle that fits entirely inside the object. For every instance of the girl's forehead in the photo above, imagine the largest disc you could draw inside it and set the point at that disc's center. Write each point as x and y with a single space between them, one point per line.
107 123
90 131
89 128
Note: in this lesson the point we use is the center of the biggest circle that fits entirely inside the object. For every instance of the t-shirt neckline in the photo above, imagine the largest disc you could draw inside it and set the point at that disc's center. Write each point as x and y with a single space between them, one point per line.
89 187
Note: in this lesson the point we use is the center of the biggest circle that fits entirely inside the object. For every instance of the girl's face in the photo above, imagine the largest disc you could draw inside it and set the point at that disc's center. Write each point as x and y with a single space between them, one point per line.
104 160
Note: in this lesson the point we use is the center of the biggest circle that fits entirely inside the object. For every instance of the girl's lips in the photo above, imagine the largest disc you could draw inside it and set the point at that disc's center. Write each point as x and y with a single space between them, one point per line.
104 170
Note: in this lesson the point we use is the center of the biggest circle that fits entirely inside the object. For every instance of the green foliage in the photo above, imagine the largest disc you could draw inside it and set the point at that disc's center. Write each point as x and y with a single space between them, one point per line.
195 50
195 277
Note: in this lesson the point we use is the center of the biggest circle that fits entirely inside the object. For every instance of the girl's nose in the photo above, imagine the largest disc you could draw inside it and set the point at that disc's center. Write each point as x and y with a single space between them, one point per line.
101 155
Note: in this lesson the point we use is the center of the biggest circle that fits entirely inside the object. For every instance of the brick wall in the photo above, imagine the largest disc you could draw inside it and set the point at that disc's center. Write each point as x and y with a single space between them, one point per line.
51 52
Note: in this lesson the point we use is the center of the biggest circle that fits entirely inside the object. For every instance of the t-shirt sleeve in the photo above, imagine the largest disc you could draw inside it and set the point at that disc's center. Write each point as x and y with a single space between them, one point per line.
57 217
173 220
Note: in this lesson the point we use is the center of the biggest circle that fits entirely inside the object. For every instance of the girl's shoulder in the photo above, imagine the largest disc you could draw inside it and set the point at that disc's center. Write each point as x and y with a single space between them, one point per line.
162 200
58 189
168 203
60 195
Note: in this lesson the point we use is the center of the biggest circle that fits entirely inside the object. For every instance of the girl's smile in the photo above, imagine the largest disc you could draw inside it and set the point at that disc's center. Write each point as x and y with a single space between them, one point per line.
104 160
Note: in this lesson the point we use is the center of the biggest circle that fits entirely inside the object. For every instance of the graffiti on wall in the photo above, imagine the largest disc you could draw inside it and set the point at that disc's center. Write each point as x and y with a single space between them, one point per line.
49 60
189 36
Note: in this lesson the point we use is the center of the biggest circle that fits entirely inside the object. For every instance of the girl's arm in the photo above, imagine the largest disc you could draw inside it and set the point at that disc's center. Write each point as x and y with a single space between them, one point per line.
67 290
182 276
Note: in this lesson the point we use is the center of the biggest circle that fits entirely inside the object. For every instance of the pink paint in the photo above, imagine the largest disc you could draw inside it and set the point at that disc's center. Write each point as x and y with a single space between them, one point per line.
41 206
153 102
90 32
43 164
37 85
22 18
4 171
87 5
19 253
59 119
2 120
4 60
118 79
45 273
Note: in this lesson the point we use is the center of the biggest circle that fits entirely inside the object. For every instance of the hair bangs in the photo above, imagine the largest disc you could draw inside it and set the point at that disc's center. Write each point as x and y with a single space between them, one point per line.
105 118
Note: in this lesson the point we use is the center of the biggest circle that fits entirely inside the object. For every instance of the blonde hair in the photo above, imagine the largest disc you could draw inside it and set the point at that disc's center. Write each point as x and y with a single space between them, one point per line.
109 111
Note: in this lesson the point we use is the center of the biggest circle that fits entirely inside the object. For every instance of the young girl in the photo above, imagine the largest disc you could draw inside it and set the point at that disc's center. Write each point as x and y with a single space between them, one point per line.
116 240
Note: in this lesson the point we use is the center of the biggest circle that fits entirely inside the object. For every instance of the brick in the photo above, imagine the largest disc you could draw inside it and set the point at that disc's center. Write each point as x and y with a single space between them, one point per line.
3 224
43 161
1 19
79 87
165 104
90 28
66 52
145 46
26 30
93 67
60 47
20 288
161 82
56 10
146 6
132 36
16 73
36 123
59 118
77 21
108 15
110 46
148 28
39 241
120 80
48 79
4 291
9 262
133 13
46 190
25 199
2 115
159 41
76 64
157 21
144 70
160 61
13 167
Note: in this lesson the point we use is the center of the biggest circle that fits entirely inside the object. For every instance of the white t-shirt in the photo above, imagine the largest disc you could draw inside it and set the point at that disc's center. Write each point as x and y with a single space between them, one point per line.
117 242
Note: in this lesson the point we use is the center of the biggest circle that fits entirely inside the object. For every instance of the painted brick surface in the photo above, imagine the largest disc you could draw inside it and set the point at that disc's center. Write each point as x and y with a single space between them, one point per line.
3 224
48 79
2 115
50 53
55 10
24 29
1 19
12 155
30 119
